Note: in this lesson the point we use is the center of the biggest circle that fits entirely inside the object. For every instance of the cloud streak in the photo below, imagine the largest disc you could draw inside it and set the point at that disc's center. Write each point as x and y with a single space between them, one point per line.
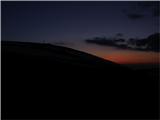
141 9
135 16
151 43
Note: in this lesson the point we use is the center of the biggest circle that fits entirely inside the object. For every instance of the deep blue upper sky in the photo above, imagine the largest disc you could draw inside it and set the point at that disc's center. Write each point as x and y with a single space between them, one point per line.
70 23
75 21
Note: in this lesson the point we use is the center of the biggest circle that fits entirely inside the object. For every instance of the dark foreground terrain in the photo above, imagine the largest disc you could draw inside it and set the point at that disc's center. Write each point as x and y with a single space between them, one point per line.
46 81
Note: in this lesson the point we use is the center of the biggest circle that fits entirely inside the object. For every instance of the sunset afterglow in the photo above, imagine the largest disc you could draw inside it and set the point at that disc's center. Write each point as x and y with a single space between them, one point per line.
69 24
134 57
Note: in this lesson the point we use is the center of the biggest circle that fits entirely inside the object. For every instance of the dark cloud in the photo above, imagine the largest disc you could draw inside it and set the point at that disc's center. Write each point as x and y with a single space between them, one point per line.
134 16
156 12
142 9
151 43
101 41
146 3
119 34
151 6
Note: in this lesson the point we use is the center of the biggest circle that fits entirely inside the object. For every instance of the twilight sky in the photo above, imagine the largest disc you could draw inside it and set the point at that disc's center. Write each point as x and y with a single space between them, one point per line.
70 23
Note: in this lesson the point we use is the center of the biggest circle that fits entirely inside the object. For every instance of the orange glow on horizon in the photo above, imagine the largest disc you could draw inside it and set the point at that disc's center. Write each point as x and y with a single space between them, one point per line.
122 56
134 57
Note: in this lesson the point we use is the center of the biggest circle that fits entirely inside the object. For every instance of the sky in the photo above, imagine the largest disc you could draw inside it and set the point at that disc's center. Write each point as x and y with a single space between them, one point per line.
71 23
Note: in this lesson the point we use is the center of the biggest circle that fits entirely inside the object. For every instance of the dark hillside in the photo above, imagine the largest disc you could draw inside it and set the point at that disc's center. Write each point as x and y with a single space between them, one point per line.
47 81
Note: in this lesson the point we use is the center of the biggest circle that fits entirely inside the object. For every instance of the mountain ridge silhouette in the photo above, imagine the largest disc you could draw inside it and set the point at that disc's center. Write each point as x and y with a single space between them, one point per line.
47 81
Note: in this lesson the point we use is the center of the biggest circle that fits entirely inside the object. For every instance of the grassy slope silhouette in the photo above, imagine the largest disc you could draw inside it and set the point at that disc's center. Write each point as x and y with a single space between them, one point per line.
47 81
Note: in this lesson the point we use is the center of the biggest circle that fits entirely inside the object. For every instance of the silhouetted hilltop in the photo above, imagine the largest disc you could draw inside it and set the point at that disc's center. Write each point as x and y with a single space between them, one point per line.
59 53
48 81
